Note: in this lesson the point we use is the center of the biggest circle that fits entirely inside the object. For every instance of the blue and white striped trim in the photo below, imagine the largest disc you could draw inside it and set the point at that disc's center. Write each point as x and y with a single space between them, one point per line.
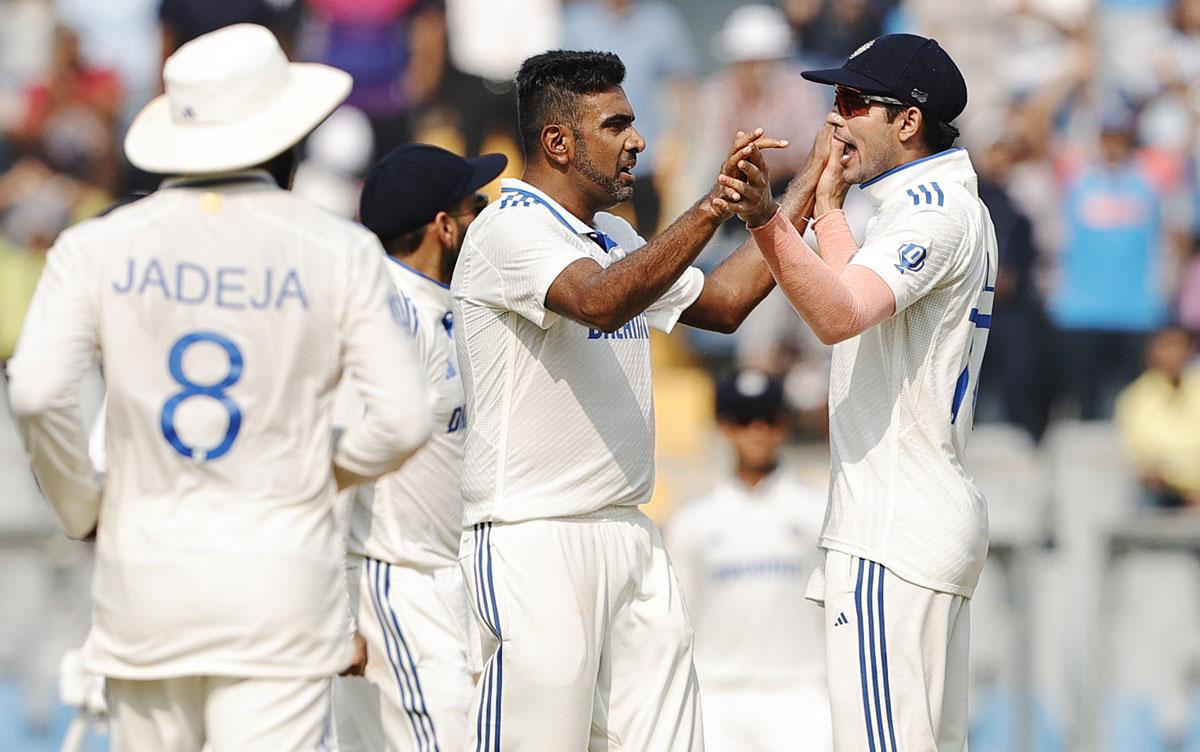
487 724
400 657
872 642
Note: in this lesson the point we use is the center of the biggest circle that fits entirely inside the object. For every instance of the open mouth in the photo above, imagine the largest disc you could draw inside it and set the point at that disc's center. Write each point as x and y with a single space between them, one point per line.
848 153
625 173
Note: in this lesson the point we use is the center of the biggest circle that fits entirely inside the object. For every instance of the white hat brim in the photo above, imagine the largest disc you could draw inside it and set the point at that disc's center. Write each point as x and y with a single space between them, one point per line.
157 143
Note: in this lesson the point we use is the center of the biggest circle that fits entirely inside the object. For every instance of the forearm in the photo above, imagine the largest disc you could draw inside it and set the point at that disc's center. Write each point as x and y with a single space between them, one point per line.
835 242
618 293
731 291
834 307
54 438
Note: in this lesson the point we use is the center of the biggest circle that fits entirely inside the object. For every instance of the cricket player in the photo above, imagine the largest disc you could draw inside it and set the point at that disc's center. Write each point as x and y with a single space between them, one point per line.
588 645
224 311
744 552
406 588
908 312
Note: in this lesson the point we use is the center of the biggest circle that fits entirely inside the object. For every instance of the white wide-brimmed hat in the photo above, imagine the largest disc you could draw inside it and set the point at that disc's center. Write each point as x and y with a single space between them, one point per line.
232 101
755 32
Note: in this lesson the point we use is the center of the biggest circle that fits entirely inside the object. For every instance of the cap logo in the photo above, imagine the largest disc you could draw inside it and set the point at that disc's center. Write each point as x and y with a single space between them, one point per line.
188 113
862 49
919 95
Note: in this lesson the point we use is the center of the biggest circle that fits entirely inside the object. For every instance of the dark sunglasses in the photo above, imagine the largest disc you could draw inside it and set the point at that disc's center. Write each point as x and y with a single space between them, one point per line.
852 103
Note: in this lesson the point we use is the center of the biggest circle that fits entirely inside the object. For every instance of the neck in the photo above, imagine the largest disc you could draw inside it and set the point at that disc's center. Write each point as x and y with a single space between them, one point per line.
558 186
427 259
752 476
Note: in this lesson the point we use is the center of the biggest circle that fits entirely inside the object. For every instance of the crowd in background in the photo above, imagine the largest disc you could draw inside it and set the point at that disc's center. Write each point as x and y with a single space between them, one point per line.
1082 124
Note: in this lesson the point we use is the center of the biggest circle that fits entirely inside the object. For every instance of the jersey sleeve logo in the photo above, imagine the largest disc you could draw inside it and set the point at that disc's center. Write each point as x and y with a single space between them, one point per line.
927 194
912 257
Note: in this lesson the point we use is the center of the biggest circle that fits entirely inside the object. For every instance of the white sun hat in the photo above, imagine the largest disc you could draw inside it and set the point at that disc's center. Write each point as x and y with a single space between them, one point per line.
755 32
232 101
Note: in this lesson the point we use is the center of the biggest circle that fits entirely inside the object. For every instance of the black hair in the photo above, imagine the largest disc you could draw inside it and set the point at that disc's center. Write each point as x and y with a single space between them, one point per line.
936 134
549 85
407 243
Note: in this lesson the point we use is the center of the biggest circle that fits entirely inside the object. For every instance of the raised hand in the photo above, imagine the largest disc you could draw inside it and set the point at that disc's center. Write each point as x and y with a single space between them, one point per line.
831 186
745 145
750 198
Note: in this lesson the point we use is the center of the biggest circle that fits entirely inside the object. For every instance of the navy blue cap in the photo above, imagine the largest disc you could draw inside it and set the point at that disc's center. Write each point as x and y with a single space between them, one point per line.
907 67
408 187
749 394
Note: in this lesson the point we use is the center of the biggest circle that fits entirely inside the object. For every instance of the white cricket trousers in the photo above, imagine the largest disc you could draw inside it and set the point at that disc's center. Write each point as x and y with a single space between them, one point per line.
418 686
586 639
184 714
897 660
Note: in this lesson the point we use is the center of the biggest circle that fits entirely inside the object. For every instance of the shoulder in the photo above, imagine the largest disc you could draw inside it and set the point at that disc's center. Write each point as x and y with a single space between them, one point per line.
696 514
508 220
619 230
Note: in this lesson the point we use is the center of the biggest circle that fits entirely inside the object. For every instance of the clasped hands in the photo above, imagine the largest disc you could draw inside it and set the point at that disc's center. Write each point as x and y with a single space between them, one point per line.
744 187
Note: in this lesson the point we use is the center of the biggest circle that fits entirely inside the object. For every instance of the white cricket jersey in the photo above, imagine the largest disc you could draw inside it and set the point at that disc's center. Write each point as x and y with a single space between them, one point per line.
413 516
902 394
225 312
561 415
743 556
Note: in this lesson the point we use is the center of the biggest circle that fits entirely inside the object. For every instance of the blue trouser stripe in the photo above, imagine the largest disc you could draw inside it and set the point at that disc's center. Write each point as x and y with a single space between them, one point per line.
387 644
487 730
422 710
874 660
862 656
499 637
887 689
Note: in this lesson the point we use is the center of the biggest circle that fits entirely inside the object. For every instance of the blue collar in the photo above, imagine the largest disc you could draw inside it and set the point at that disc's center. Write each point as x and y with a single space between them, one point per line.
422 275
906 165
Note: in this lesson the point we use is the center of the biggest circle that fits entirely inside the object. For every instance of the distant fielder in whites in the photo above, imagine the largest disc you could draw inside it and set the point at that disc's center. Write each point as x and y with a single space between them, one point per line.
744 552
225 311
906 531
406 588
588 643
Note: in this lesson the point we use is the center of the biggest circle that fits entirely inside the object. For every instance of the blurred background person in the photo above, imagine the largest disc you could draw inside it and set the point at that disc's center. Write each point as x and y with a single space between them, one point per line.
1111 288
743 554
1158 416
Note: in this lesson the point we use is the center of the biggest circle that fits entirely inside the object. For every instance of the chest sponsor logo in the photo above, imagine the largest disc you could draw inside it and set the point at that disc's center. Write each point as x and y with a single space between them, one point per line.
638 328
912 257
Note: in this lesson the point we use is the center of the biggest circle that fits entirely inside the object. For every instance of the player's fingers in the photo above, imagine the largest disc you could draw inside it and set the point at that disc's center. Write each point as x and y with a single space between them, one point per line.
720 205
732 183
744 138
753 174
768 142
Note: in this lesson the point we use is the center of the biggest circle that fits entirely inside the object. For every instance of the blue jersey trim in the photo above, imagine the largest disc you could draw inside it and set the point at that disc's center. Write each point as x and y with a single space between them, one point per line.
422 275
539 200
906 165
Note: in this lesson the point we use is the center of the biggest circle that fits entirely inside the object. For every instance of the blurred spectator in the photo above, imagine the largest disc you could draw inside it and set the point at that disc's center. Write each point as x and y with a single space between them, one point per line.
181 21
759 88
743 554
396 51
1158 416
653 40
829 31
1111 290
1188 311
70 116
1014 386
336 158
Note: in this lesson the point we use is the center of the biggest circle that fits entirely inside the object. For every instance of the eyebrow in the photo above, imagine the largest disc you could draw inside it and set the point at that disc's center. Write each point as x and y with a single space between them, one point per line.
619 119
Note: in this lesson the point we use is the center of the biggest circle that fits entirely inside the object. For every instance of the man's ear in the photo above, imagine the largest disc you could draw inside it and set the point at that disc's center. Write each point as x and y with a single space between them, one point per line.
445 229
910 122
558 142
